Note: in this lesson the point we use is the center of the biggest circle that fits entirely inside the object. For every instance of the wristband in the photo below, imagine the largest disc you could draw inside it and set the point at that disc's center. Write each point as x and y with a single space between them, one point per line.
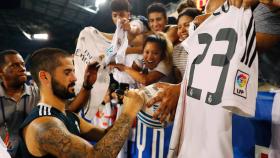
87 87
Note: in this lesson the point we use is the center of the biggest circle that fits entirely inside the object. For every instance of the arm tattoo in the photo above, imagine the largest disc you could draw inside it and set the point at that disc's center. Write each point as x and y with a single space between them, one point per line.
110 145
56 141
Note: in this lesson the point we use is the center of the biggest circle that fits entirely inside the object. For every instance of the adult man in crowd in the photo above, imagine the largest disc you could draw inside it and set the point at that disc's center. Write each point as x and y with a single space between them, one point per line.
50 130
17 98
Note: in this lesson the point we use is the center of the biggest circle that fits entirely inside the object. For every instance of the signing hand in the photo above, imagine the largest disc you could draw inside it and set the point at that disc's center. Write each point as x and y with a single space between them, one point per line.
91 74
133 102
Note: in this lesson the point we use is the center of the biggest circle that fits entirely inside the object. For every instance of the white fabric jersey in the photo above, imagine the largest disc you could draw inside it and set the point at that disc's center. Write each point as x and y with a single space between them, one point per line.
91 44
221 80
119 46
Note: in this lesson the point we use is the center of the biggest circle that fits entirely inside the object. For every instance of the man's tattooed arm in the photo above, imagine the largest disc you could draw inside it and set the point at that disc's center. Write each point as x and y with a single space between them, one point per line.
54 138
90 132
110 145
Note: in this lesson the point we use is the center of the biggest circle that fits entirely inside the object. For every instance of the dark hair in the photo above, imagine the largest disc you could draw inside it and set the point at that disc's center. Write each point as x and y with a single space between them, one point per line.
185 4
4 53
156 7
47 59
120 5
160 40
191 12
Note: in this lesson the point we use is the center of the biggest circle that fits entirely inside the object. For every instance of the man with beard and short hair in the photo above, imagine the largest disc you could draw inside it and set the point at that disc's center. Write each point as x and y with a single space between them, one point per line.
17 98
52 131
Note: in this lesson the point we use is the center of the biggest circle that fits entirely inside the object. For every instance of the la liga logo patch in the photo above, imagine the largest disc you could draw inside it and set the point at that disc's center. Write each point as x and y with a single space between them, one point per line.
241 80
240 85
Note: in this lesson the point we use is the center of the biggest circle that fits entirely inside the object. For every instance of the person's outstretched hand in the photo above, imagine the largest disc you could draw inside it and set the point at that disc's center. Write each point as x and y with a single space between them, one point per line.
120 67
168 99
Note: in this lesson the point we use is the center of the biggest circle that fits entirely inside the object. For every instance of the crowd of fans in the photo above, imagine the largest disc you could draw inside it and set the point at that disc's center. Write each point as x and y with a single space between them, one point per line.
30 127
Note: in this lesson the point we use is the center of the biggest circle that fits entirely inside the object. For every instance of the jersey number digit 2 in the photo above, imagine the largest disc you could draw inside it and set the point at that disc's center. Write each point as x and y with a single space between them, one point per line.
222 60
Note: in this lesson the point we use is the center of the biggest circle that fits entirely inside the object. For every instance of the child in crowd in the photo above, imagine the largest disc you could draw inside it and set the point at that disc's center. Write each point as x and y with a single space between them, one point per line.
179 54
156 63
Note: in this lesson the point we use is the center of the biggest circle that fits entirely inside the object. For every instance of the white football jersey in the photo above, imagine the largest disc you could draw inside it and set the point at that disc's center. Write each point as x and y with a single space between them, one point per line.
91 44
221 79
119 46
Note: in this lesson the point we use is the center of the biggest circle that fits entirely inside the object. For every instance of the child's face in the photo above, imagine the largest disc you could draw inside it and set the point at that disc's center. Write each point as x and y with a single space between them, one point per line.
157 21
183 27
152 55
119 15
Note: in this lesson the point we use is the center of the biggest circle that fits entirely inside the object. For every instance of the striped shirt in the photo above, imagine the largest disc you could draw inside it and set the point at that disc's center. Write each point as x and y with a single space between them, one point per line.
180 56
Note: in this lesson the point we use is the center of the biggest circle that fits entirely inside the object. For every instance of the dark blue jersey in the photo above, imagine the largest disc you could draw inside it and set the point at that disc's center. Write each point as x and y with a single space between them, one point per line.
70 120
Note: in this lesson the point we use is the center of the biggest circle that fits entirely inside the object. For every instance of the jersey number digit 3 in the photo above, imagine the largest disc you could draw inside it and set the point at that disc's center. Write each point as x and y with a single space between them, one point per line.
222 60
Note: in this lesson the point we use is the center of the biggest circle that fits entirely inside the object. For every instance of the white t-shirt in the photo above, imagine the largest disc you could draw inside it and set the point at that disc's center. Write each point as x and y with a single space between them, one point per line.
222 79
161 67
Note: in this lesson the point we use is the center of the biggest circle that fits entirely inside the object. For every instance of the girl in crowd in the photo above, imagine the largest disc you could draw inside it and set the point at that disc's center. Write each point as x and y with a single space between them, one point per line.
179 54
156 63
